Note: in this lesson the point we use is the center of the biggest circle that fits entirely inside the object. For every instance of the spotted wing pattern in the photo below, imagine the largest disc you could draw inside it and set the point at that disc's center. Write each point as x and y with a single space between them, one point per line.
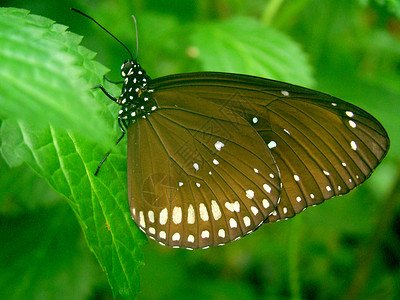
199 175
322 146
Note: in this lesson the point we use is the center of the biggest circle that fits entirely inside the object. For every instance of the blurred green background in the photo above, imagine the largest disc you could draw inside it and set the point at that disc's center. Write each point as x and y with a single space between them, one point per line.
348 247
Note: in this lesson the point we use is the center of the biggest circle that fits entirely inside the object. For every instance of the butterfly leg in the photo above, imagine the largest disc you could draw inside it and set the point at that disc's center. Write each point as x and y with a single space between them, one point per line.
115 82
122 127
105 92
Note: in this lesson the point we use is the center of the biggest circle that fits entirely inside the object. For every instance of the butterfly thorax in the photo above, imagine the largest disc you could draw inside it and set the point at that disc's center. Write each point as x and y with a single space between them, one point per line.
135 100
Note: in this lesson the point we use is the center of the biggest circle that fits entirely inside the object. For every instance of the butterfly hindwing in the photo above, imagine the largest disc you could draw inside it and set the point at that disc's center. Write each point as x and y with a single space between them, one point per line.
198 174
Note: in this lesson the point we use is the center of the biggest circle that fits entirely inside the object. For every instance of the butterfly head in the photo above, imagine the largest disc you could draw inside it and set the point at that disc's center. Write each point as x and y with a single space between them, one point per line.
131 68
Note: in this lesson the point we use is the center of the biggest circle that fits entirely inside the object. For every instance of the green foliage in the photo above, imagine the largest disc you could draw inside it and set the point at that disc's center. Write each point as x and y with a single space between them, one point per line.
392 5
52 123
40 78
34 195
36 246
67 160
242 45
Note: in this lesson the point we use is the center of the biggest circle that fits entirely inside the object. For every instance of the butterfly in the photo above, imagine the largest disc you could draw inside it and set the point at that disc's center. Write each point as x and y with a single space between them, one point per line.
212 156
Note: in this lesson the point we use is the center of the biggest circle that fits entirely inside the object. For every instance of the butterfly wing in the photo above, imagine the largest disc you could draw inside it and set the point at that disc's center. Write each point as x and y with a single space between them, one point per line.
323 146
199 175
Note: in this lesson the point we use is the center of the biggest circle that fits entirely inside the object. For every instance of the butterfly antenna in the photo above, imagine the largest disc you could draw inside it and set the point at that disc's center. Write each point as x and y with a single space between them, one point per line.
137 37
89 17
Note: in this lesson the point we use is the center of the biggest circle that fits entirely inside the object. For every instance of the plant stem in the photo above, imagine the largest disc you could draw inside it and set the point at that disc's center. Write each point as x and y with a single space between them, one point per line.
270 11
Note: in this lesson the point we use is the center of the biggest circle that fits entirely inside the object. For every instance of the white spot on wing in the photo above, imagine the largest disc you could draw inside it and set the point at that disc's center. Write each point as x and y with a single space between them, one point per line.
196 166
142 222
350 114
255 120
285 93
255 170
233 206
250 194
190 238
163 235
247 221
218 145
191 215
254 210
221 233
177 215
151 216
215 210
229 206
296 177
352 124
232 223
265 203
176 237
163 216
353 145
203 212
205 234
287 131
271 144
298 199
215 162
236 206
267 188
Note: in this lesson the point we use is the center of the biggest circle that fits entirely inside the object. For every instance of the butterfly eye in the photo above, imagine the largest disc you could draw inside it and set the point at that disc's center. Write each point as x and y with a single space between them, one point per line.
129 68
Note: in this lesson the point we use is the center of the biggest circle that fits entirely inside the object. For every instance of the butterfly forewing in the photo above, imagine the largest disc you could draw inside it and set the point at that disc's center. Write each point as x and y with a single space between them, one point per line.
198 174
322 145
319 153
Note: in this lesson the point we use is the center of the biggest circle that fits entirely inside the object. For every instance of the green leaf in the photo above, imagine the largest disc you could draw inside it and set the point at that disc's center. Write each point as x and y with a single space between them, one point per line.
243 45
67 159
39 250
67 162
45 76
